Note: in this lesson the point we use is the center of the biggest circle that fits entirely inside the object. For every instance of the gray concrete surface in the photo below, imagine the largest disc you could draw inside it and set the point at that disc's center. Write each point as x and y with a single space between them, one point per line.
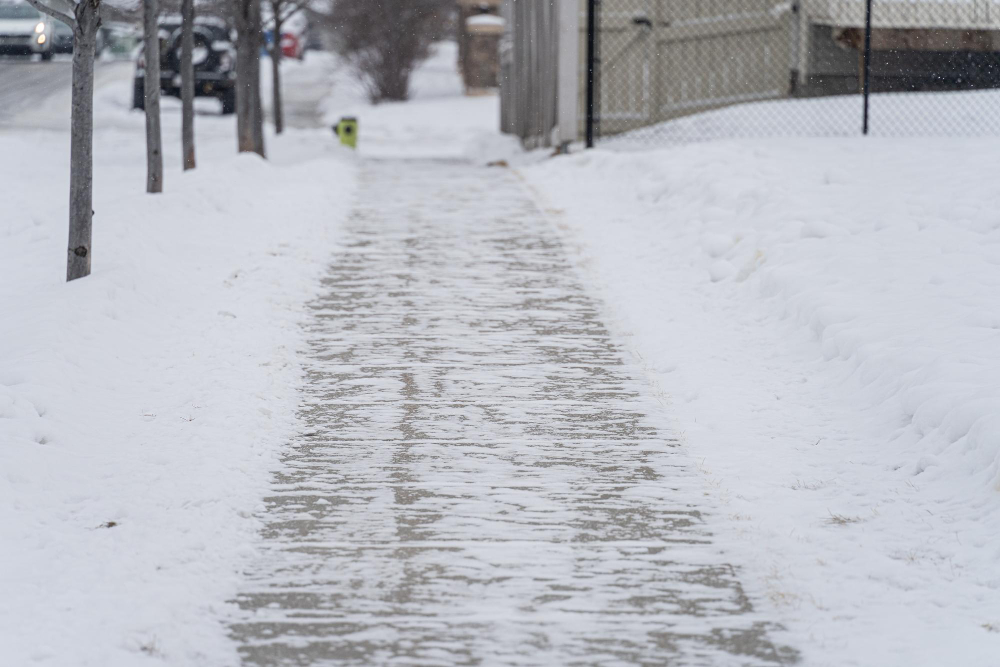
485 478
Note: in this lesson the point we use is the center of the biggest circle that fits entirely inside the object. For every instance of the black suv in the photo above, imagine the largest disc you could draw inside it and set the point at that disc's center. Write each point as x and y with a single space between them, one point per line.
214 63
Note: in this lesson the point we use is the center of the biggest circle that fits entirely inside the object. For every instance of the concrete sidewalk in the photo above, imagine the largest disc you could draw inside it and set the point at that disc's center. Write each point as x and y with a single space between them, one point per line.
485 477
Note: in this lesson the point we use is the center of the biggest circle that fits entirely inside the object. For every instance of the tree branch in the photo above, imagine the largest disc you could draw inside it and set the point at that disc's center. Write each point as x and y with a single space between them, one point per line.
291 7
69 19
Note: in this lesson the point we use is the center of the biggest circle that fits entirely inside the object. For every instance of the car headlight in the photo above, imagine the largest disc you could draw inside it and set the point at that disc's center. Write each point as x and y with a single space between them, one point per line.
40 28
41 38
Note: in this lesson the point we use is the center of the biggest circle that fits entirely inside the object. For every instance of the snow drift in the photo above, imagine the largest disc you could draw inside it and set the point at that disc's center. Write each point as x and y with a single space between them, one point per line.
824 315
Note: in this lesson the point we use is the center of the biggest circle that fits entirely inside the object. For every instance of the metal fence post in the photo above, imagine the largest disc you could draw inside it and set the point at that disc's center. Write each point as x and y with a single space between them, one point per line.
868 62
591 66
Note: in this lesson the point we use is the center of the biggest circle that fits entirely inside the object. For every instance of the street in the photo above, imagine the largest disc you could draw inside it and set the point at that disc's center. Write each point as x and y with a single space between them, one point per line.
25 83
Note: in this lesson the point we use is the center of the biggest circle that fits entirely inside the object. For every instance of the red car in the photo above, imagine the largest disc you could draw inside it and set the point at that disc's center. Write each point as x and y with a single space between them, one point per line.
292 46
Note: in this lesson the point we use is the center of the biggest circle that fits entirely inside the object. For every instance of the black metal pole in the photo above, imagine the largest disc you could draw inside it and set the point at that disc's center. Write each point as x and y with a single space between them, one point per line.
868 61
591 58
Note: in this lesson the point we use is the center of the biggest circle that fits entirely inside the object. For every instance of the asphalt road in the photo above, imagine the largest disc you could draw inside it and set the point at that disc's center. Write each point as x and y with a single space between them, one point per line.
24 83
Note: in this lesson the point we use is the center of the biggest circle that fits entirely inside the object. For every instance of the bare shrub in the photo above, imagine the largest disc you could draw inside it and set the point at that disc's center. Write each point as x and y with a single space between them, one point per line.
386 39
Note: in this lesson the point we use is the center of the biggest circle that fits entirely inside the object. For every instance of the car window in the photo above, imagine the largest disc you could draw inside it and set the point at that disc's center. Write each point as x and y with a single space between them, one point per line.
218 32
19 12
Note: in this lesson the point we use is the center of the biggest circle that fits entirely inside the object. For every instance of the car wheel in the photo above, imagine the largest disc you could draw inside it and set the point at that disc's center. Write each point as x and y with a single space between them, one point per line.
139 94
46 56
228 102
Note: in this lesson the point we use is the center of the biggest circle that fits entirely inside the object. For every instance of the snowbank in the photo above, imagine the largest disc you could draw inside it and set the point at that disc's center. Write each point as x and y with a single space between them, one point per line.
892 115
142 408
824 316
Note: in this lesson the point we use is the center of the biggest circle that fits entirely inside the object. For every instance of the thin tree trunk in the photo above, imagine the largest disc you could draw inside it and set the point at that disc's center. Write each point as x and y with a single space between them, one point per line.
258 110
81 170
249 134
187 83
244 70
276 104
258 106
151 49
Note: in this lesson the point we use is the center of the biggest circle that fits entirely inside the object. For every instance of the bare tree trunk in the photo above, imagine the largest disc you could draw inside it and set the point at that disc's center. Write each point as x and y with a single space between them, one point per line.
151 49
187 83
249 123
81 170
258 115
276 104
258 106
244 70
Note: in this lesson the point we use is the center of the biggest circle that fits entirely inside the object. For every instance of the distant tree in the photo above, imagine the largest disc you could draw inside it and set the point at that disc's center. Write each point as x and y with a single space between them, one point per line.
151 94
281 11
386 39
249 41
84 18
187 84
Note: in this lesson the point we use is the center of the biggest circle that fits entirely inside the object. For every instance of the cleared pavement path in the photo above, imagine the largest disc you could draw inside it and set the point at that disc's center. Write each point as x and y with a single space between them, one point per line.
486 479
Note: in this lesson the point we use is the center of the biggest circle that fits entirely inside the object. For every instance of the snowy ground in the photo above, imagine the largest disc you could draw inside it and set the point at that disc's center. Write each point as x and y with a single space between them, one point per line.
823 315
942 114
141 409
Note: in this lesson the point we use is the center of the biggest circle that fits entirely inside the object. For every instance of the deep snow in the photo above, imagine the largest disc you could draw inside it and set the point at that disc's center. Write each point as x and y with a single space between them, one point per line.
142 408
823 315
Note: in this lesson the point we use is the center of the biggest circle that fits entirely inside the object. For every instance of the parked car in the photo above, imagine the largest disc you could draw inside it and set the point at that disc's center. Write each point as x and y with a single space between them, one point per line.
293 34
62 38
313 40
292 46
25 31
214 63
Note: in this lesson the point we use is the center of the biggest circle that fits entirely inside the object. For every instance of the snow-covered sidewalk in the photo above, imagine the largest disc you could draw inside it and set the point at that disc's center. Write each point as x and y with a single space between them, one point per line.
142 409
482 477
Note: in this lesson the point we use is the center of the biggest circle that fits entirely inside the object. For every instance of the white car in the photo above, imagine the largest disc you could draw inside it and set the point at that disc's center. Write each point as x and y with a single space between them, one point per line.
24 31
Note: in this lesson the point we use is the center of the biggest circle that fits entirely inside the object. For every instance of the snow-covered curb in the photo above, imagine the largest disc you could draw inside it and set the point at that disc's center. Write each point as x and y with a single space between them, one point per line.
142 409
824 315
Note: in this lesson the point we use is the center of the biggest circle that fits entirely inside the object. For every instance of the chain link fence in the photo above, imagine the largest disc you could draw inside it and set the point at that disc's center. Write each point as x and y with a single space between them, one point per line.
687 70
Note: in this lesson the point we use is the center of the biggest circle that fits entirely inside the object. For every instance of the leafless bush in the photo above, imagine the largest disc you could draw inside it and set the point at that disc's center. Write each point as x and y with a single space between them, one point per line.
386 39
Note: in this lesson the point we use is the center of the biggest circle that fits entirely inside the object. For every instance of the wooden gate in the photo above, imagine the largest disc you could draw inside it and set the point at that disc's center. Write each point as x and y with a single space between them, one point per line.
627 61
662 59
